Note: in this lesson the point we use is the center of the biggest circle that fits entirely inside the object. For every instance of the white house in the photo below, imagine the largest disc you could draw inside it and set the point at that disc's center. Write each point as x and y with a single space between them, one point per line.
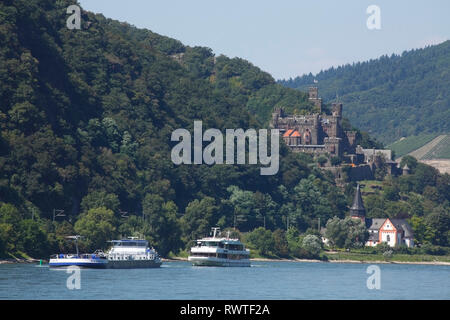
392 231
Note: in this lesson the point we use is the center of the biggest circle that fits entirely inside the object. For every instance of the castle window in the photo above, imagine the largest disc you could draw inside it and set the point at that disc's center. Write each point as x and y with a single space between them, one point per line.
388 238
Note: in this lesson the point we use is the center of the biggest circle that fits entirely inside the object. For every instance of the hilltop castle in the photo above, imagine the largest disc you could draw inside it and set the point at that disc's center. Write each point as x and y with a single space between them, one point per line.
315 133
322 134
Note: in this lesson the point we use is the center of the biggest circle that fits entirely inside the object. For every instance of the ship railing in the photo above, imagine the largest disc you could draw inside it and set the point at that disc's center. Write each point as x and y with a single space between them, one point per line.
75 256
124 256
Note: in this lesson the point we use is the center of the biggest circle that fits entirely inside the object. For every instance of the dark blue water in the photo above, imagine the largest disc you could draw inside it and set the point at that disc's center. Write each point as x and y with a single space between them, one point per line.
264 280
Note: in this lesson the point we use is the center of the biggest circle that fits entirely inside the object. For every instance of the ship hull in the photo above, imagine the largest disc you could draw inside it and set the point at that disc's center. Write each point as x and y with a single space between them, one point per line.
81 263
218 262
134 264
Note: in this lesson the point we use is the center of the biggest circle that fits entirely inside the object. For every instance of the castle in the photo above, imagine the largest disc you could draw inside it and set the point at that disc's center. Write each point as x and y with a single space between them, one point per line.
322 134
315 133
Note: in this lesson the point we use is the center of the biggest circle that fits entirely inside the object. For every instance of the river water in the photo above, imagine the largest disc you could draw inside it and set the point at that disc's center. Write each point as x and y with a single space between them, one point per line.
263 280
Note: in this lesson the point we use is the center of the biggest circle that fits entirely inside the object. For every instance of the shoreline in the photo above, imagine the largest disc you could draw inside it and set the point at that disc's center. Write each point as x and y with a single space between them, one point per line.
440 263
12 261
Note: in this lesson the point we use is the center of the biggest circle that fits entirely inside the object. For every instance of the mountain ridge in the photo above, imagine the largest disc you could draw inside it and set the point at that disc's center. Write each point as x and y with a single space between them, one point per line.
392 96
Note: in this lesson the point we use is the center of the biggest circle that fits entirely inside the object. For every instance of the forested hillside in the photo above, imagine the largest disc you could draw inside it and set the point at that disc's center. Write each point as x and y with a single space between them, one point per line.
86 118
393 96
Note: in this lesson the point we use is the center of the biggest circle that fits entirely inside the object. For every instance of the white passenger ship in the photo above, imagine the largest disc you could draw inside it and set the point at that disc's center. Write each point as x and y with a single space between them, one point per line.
132 253
219 251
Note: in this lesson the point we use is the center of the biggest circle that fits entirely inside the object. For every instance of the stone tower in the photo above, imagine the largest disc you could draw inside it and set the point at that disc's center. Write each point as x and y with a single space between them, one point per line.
406 170
277 113
357 209
313 93
336 108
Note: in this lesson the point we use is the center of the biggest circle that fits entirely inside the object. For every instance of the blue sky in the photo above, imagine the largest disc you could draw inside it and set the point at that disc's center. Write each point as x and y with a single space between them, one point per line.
288 37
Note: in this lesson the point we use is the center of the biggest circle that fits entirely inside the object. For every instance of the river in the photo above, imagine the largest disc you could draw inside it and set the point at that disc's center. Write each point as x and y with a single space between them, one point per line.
263 280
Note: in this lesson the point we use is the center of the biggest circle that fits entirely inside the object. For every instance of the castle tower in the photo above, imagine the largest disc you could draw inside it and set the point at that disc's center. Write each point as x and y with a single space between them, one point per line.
313 93
357 209
276 115
336 108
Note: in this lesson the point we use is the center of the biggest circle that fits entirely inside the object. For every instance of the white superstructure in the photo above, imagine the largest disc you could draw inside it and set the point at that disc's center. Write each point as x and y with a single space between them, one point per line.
132 253
219 251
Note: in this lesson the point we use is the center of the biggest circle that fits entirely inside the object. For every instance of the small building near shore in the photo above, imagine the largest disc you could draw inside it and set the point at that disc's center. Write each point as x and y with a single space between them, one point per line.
394 232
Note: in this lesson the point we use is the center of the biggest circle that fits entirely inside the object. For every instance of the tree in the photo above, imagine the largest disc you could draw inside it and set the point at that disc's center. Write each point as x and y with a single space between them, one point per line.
97 199
197 220
410 161
439 222
335 161
133 226
5 244
10 219
380 166
244 208
97 226
423 176
161 224
32 239
346 233
312 244
391 192
262 239
310 203
423 233
335 232
293 240
321 160
281 247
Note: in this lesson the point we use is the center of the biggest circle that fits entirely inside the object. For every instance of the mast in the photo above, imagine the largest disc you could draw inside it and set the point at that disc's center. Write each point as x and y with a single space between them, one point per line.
76 241
215 230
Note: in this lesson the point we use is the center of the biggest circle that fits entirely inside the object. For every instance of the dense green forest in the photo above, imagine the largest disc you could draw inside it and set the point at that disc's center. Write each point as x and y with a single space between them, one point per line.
393 96
86 118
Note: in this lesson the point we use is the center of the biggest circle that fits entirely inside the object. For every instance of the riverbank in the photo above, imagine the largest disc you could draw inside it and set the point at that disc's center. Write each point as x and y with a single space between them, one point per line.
442 263
11 261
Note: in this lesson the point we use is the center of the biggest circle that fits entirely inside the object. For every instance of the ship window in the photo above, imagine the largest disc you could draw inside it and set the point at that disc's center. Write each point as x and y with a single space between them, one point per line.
209 244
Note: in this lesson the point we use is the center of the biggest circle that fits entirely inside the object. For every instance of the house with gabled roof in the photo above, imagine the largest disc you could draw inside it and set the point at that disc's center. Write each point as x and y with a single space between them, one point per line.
391 231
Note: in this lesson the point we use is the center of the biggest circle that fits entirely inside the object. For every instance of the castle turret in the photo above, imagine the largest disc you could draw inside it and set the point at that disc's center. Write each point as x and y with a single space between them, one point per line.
357 209
336 108
276 115
406 170
313 93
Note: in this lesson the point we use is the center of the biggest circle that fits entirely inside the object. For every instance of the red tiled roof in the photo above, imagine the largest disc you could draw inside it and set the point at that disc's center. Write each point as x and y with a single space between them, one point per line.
288 133
295 134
